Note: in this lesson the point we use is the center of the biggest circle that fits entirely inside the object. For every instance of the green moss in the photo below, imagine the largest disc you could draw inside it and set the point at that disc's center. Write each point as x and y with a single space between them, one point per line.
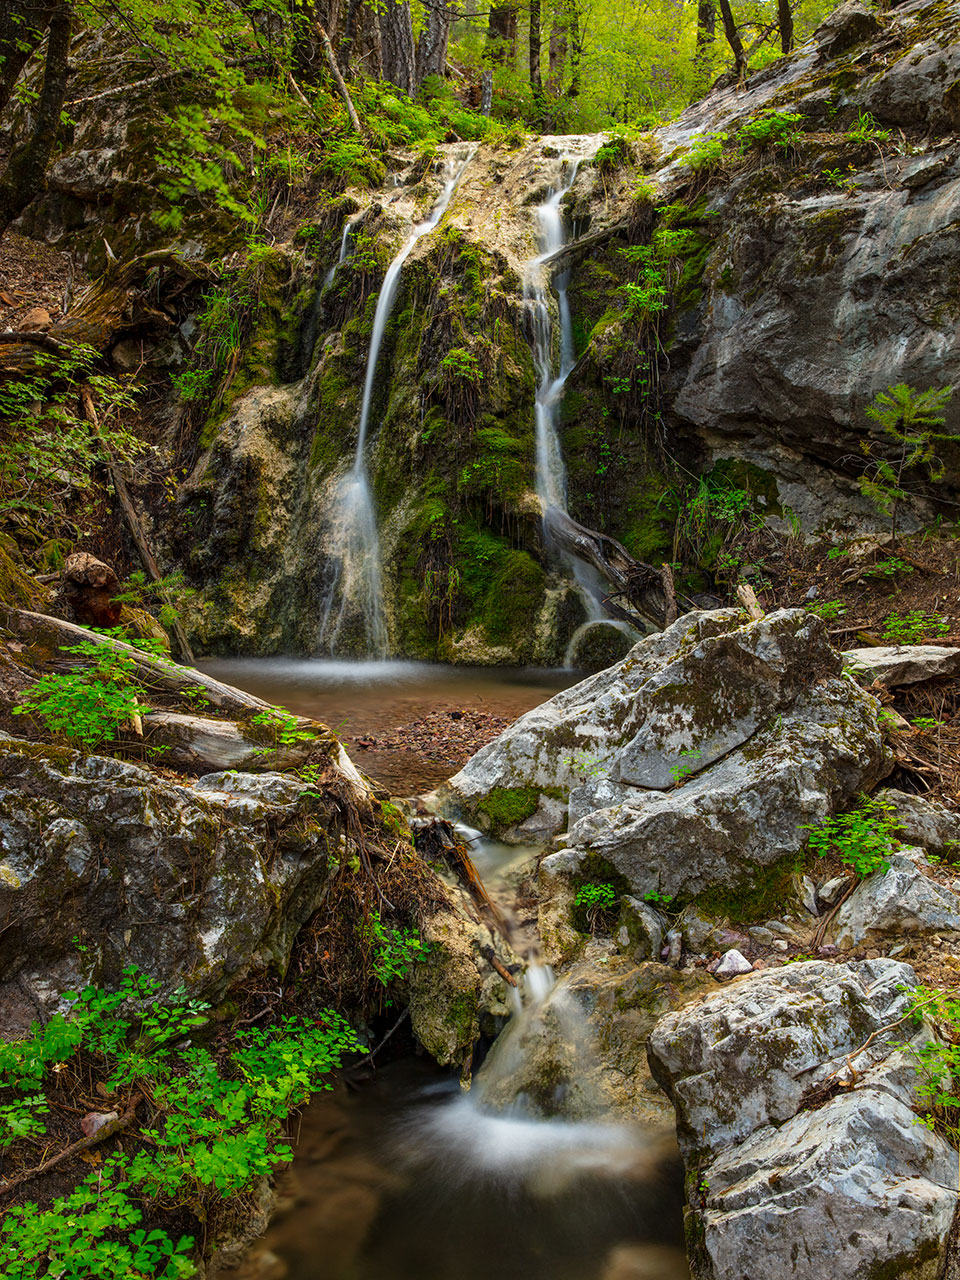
759 897
513 597
507 806
17 588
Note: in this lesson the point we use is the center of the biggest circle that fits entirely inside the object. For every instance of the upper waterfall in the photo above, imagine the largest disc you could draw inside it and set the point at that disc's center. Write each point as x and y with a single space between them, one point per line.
357 578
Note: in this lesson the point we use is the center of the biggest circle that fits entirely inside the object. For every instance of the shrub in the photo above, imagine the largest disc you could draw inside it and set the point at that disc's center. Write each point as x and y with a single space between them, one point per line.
706 152
914 627
214 1126
779 129
87 705
863 839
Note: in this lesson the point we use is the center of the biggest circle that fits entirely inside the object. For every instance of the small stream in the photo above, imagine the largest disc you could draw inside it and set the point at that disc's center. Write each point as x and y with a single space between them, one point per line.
398 1176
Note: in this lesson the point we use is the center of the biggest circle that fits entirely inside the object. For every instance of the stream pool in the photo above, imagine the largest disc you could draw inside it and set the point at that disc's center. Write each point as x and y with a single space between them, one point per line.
362 700
399 1176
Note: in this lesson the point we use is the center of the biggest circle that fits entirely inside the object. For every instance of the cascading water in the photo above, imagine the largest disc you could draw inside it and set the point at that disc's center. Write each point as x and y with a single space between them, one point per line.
551 475
357 581
344 250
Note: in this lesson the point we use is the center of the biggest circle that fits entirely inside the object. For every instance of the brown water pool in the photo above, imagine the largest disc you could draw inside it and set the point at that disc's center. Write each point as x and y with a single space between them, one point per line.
423 719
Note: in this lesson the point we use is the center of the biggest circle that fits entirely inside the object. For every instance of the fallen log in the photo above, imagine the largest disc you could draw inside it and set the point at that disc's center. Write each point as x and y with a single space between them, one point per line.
641 594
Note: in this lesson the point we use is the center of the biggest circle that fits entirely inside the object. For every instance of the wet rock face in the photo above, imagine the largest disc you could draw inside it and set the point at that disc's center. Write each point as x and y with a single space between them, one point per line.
699 758
200 885
800 1144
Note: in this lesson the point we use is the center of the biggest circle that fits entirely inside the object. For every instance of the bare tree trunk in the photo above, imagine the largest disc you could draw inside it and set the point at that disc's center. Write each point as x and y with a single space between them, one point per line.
733 39
502 34
575 35
536 39
396 41
434 37
558 50
706 29
486 91
785 22
26 172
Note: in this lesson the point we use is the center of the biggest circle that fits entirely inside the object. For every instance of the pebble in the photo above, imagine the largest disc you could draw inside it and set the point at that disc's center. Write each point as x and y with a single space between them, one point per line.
759 934
733 963
780 944
808 895
671 952
784 930
831 890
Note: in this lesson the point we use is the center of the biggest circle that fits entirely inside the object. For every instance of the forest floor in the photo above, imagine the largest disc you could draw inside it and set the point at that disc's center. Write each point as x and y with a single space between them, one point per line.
33 274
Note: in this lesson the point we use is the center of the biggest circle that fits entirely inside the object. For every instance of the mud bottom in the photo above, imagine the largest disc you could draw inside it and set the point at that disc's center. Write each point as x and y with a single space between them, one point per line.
403 1178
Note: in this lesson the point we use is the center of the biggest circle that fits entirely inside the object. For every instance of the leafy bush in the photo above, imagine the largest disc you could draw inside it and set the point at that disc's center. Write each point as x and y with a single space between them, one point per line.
914 627
596 896
89 704
393 951
706 152
780 129
938 1062
828 610
863 839
213 1125
909 419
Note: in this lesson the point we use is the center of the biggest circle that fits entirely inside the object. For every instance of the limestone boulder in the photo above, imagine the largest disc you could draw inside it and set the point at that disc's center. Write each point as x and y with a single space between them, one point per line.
749 810
895 665
104 863
893 904
926 823
801 1147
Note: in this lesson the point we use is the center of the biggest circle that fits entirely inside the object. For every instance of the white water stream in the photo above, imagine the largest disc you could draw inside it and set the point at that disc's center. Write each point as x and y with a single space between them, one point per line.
357 581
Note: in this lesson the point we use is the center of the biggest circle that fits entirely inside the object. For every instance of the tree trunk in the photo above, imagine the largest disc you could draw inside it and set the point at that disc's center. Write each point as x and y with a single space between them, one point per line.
785 22
536 38
396 42
26 171
733 39
22 27
434 37
502 34
559 44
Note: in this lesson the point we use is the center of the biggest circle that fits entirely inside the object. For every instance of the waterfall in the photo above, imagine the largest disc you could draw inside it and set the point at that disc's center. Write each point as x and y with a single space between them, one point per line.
551 474
344 250
357 580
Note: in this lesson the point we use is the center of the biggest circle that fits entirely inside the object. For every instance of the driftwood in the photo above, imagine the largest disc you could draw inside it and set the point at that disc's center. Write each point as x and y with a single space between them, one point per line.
134 524
54 633
641 593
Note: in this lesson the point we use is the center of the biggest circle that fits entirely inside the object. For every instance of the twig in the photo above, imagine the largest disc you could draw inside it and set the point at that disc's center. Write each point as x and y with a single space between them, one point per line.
106 1131
370 1056
824 923
9 336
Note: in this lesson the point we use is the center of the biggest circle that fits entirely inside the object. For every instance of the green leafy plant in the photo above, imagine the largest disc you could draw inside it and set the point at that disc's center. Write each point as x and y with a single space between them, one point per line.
596 895
658 899
867 130
910 420
87 705
392 950
914 627
706 152
679 772
938 1061
926 724
828 610
203 1126
891 567
862 839
283 727
773 129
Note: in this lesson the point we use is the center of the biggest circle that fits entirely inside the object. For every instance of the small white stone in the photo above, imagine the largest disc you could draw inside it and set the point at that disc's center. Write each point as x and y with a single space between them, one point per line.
759 934
733 963
831 890
780 944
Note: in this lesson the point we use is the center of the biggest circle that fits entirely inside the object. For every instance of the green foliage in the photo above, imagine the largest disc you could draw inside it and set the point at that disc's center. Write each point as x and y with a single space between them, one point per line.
392 950
169 591
914 627
48 451
891 567
938 1061
863 839
657 899
706 152
779 130
659 263
599 896
828 610
87 705
867 130
462 365
215 1125
281 727
909 419
680 771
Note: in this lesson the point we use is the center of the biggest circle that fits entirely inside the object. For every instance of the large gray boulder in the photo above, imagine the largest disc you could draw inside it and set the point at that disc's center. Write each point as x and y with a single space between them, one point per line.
104 863
702 687
747 811
924 822
699 757
896 903
801 1147
899 664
